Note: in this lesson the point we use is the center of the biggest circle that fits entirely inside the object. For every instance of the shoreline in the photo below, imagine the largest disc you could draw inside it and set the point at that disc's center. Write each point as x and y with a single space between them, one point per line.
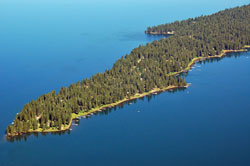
99 109
160 33
136 96
199 59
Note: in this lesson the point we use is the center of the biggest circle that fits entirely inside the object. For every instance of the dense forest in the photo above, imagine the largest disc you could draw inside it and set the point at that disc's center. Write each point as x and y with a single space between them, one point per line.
144 69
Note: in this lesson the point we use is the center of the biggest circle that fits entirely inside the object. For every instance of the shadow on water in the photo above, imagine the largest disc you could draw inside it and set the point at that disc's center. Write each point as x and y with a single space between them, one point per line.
104 112
24 137
127 103
139 36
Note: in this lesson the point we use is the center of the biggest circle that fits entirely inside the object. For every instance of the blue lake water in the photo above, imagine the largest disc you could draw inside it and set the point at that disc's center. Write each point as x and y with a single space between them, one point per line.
48 44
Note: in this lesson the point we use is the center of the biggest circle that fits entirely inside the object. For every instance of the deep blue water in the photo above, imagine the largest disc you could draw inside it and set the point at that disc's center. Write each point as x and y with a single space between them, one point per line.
48 44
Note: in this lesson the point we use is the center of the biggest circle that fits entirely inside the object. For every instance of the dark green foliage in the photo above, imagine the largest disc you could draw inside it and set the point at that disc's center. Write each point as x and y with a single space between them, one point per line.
145 68
228 29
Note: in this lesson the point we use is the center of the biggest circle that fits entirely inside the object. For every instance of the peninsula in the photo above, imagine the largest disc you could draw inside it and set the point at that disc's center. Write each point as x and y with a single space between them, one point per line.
147 69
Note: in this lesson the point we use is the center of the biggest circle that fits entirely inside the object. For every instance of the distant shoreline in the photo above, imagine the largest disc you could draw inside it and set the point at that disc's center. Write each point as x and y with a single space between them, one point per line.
136 96
159 33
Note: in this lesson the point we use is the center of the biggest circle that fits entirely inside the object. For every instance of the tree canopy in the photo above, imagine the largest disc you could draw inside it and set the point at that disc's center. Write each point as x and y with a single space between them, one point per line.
145 68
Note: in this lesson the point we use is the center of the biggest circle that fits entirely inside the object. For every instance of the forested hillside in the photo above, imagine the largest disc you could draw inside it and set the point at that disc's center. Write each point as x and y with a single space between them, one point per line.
144 69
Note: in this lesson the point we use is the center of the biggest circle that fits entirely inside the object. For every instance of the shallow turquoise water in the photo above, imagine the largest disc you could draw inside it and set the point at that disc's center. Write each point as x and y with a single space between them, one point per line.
48 44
